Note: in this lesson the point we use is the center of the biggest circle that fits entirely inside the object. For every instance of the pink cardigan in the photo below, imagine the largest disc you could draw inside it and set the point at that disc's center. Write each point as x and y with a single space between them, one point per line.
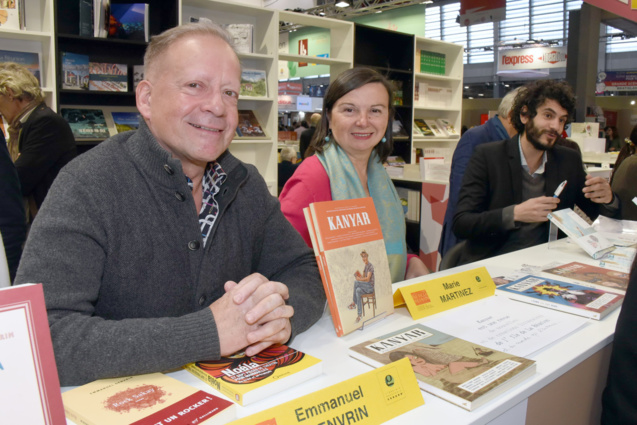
309 183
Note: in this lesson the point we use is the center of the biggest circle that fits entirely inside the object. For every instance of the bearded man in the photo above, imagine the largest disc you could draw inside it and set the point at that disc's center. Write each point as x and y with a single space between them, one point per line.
509 186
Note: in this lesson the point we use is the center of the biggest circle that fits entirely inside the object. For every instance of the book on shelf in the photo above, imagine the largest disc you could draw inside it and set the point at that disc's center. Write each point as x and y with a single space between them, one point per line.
250 379
459 371
86 123
101 17
145 400
242 36
433 62
567 297
138 75
410 199
350 252
576 228
86 18
129 21
108 76
394 165
248 125
398 130
397 92
11 12
448 127
75 71
30 386
597 277
423 128
30 60
253 83
437 130
125 121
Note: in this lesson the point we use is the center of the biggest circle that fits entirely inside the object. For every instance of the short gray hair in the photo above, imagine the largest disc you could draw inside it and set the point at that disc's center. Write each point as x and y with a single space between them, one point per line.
288 153
160 43
507 103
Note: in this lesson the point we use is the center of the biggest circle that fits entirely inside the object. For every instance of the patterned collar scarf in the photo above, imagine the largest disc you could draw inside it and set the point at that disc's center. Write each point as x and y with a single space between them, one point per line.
213 178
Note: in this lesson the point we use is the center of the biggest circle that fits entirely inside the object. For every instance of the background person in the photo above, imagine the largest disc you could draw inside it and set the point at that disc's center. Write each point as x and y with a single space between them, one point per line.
307 135
613 142
287 166
351 143
157 247
624 178
40 141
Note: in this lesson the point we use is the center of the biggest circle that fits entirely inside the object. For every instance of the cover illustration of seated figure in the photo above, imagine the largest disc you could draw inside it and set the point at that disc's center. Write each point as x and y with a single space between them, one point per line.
430 361
364 284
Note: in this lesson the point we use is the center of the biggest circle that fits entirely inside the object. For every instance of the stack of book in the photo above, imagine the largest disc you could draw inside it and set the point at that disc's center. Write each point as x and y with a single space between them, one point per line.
433 62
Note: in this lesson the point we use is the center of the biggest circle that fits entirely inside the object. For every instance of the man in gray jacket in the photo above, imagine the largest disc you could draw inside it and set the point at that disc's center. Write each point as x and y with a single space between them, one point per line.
158 247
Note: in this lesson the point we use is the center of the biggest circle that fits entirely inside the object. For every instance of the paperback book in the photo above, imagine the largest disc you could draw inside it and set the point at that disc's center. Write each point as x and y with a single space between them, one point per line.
108 77
557 295
86 124
250 379
101 14
599 277
423 128
253 83
461 372
448 127
350 252
30 60
86 18
75 71
437 130
129 21
30 386
575 227
125 121
10 14
248 125
242 36
145 400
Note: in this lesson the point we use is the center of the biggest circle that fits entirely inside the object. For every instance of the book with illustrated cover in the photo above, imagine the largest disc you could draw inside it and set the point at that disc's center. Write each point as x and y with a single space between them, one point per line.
250 379
253 83
437 130
10 14
129 21
557 295
451 368
108 76
242 36
350 252
86 124
248 125
30 386
101 17
30 60
149 399
126 121
568 221
598 276
423 128
75 72
448 127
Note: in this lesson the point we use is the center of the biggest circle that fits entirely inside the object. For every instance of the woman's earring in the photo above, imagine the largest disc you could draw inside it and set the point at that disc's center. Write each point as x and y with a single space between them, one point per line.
327 138
383 140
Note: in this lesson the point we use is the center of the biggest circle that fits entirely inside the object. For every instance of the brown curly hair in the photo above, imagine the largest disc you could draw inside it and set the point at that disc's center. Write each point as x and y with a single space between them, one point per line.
535 94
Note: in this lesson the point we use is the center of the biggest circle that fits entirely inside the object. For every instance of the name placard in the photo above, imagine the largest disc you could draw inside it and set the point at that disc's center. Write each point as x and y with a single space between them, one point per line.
371 398
433 296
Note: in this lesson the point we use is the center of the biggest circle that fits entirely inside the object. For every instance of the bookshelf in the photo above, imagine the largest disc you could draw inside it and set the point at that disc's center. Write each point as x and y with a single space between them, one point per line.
451 80
38 37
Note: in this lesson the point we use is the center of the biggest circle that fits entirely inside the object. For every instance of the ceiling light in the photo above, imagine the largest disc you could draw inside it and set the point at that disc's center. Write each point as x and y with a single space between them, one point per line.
466 87
506 85
632 102
480 94
342 4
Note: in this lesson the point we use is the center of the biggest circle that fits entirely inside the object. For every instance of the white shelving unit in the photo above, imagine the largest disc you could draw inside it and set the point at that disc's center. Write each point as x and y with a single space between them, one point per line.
452 79
37 37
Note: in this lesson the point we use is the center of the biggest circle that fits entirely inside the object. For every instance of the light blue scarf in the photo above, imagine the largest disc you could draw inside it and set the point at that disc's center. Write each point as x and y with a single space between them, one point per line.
345 184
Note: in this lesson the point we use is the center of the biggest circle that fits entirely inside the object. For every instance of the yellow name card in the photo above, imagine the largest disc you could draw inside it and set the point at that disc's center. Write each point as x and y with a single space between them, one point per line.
433 296
371 398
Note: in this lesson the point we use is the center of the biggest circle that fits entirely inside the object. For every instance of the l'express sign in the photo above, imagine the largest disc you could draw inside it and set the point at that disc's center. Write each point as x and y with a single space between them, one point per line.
532 58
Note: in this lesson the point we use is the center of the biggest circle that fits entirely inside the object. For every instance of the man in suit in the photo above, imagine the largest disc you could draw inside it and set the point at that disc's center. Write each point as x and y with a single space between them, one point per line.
497 128
508 186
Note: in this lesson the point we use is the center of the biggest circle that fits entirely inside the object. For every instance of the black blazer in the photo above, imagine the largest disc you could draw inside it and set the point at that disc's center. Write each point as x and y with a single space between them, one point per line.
46 145
493 181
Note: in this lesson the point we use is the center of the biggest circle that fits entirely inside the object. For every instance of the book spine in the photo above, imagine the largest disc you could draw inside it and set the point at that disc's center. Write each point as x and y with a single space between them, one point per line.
215 383
329 291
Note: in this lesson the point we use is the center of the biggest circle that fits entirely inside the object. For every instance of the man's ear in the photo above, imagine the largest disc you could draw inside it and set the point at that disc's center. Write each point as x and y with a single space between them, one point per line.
524 114
143 98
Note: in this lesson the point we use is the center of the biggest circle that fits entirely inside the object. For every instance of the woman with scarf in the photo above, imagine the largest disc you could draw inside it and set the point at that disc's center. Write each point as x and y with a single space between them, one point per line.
350 144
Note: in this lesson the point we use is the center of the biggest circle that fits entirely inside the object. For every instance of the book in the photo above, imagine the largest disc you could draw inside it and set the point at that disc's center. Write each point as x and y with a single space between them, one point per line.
10 14
30 60
101 17
30 386
350 252
108 77
595 244
250 379
448 127
433 62
599 277
145 399
253 83
423 128
86 123
242 36
138 74
557 295
129 21
75 71
461 372
125 121
436 129
86 18
248 125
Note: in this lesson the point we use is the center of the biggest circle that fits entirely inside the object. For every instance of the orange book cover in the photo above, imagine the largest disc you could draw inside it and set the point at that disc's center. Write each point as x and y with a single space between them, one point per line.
350 250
